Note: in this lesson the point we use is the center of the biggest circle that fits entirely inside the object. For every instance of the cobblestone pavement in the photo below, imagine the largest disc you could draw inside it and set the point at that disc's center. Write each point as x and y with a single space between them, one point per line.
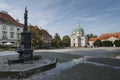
81 71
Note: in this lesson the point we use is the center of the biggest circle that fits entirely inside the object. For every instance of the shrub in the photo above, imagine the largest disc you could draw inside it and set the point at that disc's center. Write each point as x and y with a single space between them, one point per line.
7 47
117 43
97 43
107 43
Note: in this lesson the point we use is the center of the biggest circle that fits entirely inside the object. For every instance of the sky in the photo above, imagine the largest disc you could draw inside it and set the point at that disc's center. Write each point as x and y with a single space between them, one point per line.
61 16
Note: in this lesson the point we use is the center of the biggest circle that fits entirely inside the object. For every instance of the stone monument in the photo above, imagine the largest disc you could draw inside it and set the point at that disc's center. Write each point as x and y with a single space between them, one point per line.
25 52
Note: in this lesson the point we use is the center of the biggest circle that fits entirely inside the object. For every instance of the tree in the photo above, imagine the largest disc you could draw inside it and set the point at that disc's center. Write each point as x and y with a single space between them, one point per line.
53 42
117 43
107 43
97 43
36 36
56 42
91 35
66 41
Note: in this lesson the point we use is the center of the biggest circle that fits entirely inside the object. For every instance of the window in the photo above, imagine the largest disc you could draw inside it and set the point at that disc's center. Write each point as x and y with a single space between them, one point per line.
11 35
11 29
4 27
82 38
18 35
4 35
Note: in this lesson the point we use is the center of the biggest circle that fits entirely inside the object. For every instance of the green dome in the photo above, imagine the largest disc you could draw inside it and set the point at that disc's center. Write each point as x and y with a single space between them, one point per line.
77 29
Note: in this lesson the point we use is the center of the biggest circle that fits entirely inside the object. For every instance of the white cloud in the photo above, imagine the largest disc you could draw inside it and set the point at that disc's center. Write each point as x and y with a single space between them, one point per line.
84 19
3 5
57 15
44 17
11 9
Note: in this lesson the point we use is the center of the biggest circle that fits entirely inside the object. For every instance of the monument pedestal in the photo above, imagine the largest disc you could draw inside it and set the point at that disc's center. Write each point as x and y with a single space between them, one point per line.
25 52
28 54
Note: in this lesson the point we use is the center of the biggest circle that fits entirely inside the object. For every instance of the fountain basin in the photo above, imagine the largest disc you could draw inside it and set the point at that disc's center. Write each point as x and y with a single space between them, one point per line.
27 68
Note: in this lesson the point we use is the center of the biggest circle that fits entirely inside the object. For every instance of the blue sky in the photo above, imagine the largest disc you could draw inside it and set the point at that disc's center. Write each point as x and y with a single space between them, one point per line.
61 16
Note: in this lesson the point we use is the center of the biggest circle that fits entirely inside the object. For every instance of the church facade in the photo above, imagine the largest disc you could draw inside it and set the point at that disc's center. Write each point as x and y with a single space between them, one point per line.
78 38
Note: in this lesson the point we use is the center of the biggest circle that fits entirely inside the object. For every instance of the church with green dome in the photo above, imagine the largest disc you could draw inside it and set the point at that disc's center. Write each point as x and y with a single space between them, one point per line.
78 38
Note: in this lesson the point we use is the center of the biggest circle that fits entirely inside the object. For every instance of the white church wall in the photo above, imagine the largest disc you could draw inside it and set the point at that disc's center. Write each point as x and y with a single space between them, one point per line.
83 41
76 41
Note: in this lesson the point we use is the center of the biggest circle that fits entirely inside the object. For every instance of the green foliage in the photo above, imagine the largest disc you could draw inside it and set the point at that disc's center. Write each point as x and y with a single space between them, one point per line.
97 43
117 43
7 47
1 49
107 43
66 41
36 36
56 42
91 35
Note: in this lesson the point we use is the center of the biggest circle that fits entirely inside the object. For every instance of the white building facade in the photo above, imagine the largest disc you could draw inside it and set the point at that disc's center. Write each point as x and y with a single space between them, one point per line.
10 29
78 38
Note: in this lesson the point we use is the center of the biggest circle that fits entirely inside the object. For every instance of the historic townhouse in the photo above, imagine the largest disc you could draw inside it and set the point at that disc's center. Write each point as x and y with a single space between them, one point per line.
10 28
46 37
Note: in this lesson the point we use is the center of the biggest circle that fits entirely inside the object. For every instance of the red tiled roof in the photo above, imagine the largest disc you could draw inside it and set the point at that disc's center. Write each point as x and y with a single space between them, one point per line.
106 36
6 17
45 32
94 39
